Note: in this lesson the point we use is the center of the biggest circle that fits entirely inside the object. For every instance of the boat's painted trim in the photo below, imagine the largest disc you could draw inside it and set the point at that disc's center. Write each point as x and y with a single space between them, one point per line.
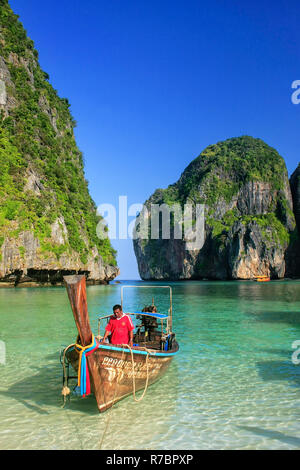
136 351
161 316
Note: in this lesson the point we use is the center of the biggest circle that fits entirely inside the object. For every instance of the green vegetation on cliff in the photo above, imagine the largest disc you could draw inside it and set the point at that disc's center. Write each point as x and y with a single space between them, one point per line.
220 172
249 221
223 168
37 138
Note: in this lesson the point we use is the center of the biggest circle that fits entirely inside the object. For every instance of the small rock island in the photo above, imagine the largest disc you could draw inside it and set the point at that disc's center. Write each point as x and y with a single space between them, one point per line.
250 209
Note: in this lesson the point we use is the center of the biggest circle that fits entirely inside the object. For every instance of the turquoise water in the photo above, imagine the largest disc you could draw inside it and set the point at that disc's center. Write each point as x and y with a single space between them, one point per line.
232 386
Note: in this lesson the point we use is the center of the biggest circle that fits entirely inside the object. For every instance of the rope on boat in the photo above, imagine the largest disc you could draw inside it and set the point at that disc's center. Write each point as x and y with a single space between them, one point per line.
65 390
111 408
133 386
133 374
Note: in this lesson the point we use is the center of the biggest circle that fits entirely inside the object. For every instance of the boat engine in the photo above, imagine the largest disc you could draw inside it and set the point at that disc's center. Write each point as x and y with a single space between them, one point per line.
149 324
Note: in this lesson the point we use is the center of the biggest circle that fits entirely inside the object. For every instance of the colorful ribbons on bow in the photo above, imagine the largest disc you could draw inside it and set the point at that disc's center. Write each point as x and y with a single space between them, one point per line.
83 370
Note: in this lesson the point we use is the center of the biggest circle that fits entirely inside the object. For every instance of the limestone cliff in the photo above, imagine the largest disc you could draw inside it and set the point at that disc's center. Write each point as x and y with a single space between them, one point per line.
293 255
47 218
244 186
295 187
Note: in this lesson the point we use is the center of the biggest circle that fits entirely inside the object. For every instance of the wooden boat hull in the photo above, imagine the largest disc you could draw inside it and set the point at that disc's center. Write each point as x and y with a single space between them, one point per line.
115 369
114 373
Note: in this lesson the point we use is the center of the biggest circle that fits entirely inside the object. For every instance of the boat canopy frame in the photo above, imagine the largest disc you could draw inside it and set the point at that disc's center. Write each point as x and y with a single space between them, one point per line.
159 316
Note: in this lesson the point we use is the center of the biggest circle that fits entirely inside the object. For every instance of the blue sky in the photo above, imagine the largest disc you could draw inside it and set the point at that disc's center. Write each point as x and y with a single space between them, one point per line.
152 83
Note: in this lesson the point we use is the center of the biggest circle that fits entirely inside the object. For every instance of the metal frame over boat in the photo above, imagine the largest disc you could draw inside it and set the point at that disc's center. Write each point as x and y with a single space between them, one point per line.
116 371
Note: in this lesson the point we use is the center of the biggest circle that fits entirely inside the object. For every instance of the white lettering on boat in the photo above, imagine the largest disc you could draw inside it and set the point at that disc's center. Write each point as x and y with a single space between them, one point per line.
124 370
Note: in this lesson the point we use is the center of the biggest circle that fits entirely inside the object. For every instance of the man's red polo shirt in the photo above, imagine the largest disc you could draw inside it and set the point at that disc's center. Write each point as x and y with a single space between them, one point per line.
120 328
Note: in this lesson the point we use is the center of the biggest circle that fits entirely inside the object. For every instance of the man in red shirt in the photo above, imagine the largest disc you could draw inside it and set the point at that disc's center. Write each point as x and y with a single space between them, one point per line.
120 327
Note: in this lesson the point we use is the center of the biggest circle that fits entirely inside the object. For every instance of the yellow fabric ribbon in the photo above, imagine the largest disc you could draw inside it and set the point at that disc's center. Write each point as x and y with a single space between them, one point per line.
81 350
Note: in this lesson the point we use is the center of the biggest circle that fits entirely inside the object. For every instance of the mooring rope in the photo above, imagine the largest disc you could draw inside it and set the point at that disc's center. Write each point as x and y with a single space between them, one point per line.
133 386
65 390
110 411
133 373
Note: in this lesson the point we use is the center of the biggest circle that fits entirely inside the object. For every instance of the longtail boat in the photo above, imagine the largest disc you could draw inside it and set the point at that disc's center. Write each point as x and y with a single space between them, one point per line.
110 371
262 279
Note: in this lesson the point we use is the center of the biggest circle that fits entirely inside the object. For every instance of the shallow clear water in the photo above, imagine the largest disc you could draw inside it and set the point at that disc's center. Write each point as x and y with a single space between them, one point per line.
232 386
